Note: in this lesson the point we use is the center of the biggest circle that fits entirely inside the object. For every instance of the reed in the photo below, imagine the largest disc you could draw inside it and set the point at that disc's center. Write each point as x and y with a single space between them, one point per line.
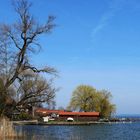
7 130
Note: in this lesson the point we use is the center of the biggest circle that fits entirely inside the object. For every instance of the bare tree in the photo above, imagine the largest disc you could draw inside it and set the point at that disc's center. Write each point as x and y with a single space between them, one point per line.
17 41
34 91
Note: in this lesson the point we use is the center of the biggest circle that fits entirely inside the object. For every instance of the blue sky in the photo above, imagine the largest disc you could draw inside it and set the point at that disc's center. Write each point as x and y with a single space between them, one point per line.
95 43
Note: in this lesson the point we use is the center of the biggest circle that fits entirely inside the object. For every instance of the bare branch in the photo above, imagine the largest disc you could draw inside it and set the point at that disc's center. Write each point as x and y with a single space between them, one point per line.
46 70
22 39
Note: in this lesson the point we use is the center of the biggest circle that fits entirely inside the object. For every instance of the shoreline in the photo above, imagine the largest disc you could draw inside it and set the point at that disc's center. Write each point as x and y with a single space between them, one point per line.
35 122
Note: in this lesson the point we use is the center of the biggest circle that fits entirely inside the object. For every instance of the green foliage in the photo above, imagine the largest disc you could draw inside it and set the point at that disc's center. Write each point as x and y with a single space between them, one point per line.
24 116
104 106
83 98
86 98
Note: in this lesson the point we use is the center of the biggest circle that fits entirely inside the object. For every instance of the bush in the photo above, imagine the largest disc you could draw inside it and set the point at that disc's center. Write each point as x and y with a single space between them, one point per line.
24 116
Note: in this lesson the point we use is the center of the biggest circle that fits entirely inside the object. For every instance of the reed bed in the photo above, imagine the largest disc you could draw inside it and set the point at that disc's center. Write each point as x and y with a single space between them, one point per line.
7 131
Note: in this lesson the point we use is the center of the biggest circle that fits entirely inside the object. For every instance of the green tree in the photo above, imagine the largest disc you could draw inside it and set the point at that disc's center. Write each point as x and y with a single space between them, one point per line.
104 105
83 99
86 98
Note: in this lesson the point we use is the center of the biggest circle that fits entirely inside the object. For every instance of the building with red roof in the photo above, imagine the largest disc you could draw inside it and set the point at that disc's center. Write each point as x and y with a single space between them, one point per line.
62 115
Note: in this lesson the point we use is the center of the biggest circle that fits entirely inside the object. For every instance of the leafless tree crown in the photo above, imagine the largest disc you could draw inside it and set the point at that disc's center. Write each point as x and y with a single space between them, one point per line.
16 42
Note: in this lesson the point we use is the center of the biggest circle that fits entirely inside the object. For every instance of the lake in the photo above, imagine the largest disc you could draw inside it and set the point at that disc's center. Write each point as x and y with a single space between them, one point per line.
127 131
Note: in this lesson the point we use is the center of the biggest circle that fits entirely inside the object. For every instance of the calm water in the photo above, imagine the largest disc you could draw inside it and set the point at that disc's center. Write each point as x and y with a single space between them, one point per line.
129 131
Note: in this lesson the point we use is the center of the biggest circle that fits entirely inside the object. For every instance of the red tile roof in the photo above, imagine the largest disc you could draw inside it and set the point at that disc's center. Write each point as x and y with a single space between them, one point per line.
43 110
66 113
79 113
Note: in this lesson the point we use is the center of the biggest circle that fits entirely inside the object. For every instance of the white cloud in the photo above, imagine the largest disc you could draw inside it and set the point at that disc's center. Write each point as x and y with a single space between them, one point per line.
113 7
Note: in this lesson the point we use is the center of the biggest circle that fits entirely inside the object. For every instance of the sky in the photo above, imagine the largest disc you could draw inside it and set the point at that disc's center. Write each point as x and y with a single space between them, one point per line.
95 43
